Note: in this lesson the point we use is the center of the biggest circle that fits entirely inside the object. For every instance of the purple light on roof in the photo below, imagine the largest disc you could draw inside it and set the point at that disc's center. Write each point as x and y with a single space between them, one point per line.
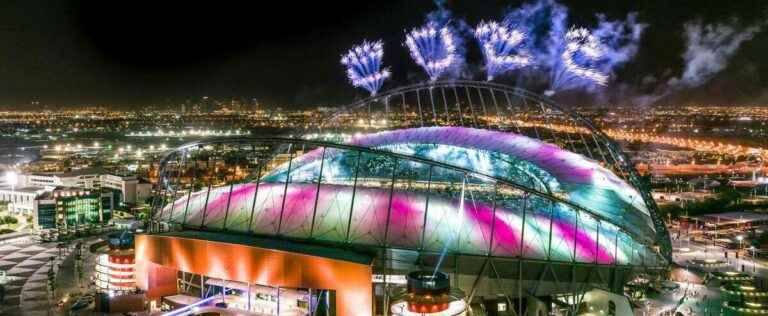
369 214
581 181
565 166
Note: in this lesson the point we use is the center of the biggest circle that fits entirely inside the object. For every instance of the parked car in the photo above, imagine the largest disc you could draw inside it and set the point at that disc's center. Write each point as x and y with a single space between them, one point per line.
82 302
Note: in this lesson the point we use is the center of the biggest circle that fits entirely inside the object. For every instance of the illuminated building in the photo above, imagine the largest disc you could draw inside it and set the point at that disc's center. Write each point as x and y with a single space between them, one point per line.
114 269
746 308
127 188
446 184
76 209
70 209
20 200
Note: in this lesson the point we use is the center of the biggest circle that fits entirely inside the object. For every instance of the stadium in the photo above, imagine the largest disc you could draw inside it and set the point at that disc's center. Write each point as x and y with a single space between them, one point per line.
440 198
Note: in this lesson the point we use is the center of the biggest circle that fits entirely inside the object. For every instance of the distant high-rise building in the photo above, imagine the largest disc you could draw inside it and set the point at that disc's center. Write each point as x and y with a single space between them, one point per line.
207 105
255 104
235 105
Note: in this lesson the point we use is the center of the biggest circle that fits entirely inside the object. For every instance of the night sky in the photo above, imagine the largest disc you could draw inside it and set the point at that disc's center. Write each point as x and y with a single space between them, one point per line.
286 53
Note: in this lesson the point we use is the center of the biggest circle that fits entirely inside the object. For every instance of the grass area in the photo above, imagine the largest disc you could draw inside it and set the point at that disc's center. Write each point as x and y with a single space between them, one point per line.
9 223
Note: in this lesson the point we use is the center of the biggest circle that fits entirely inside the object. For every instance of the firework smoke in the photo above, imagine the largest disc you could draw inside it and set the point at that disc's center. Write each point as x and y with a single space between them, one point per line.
575 58
707 52
708 49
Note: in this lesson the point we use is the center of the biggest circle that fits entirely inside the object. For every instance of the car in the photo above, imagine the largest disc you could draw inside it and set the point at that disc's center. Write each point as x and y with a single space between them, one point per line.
82 303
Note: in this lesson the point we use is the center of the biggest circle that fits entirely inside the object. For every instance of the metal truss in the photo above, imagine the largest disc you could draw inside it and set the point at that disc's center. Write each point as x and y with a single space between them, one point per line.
505 102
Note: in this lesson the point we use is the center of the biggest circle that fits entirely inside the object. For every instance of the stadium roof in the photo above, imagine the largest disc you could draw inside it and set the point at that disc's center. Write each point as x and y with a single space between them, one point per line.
340 196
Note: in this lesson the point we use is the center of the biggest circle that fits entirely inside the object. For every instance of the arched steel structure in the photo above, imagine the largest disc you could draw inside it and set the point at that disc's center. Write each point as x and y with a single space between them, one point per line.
488 105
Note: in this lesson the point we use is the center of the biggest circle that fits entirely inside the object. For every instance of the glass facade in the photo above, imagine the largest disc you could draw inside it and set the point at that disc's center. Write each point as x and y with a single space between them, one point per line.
107 206
461 190
259 299
80 210
46 215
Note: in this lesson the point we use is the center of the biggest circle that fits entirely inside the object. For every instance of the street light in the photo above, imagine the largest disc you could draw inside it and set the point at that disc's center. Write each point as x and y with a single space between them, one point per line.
740 238
12 178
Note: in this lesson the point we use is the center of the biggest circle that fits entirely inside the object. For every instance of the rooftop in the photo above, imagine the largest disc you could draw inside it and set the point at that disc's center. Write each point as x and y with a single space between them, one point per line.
276 244
25 189
72 173
728 217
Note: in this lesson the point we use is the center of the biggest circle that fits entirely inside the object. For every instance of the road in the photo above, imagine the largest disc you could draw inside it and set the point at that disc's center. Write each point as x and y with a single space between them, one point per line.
698 250
67 281
700 299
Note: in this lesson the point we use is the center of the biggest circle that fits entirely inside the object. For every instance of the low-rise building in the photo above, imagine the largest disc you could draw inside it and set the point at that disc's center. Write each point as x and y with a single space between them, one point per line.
71 208
732 220
130 188
21 200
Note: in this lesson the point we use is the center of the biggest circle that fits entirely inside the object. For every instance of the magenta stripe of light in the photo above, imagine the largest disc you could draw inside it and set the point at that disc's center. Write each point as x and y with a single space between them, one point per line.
549 157
405 219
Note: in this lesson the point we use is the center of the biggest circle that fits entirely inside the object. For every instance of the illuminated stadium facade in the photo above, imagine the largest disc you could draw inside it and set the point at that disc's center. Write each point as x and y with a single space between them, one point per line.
519 202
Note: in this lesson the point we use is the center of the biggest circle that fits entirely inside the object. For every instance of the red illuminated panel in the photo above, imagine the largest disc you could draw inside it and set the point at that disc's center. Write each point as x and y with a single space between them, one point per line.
351 281
121 271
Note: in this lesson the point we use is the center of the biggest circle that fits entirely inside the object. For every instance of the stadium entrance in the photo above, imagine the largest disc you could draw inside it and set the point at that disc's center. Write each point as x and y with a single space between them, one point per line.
244 297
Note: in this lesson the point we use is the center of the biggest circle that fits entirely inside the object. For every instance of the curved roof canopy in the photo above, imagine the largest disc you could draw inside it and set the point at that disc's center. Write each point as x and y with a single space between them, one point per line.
390 196
519 159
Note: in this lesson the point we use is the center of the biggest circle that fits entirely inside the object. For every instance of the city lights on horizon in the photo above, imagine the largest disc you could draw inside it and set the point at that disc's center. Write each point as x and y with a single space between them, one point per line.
189 133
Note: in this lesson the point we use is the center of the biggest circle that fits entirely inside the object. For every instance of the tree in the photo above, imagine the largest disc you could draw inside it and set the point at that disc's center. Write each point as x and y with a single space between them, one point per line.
9 220
52 277
762 240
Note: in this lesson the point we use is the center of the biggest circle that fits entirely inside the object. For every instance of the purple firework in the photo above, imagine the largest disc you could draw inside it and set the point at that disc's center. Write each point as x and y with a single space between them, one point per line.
501 45
433 48
363 64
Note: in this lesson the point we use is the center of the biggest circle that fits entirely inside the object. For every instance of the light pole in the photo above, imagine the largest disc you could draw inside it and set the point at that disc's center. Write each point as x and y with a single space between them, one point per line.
12 178
740 238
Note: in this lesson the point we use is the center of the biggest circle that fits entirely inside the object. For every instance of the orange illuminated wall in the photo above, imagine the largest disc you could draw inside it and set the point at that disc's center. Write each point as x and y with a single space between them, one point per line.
351 281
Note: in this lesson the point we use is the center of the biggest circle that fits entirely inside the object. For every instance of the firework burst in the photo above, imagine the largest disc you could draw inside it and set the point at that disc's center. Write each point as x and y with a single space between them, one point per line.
433 48
363 64
501 46
581 50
